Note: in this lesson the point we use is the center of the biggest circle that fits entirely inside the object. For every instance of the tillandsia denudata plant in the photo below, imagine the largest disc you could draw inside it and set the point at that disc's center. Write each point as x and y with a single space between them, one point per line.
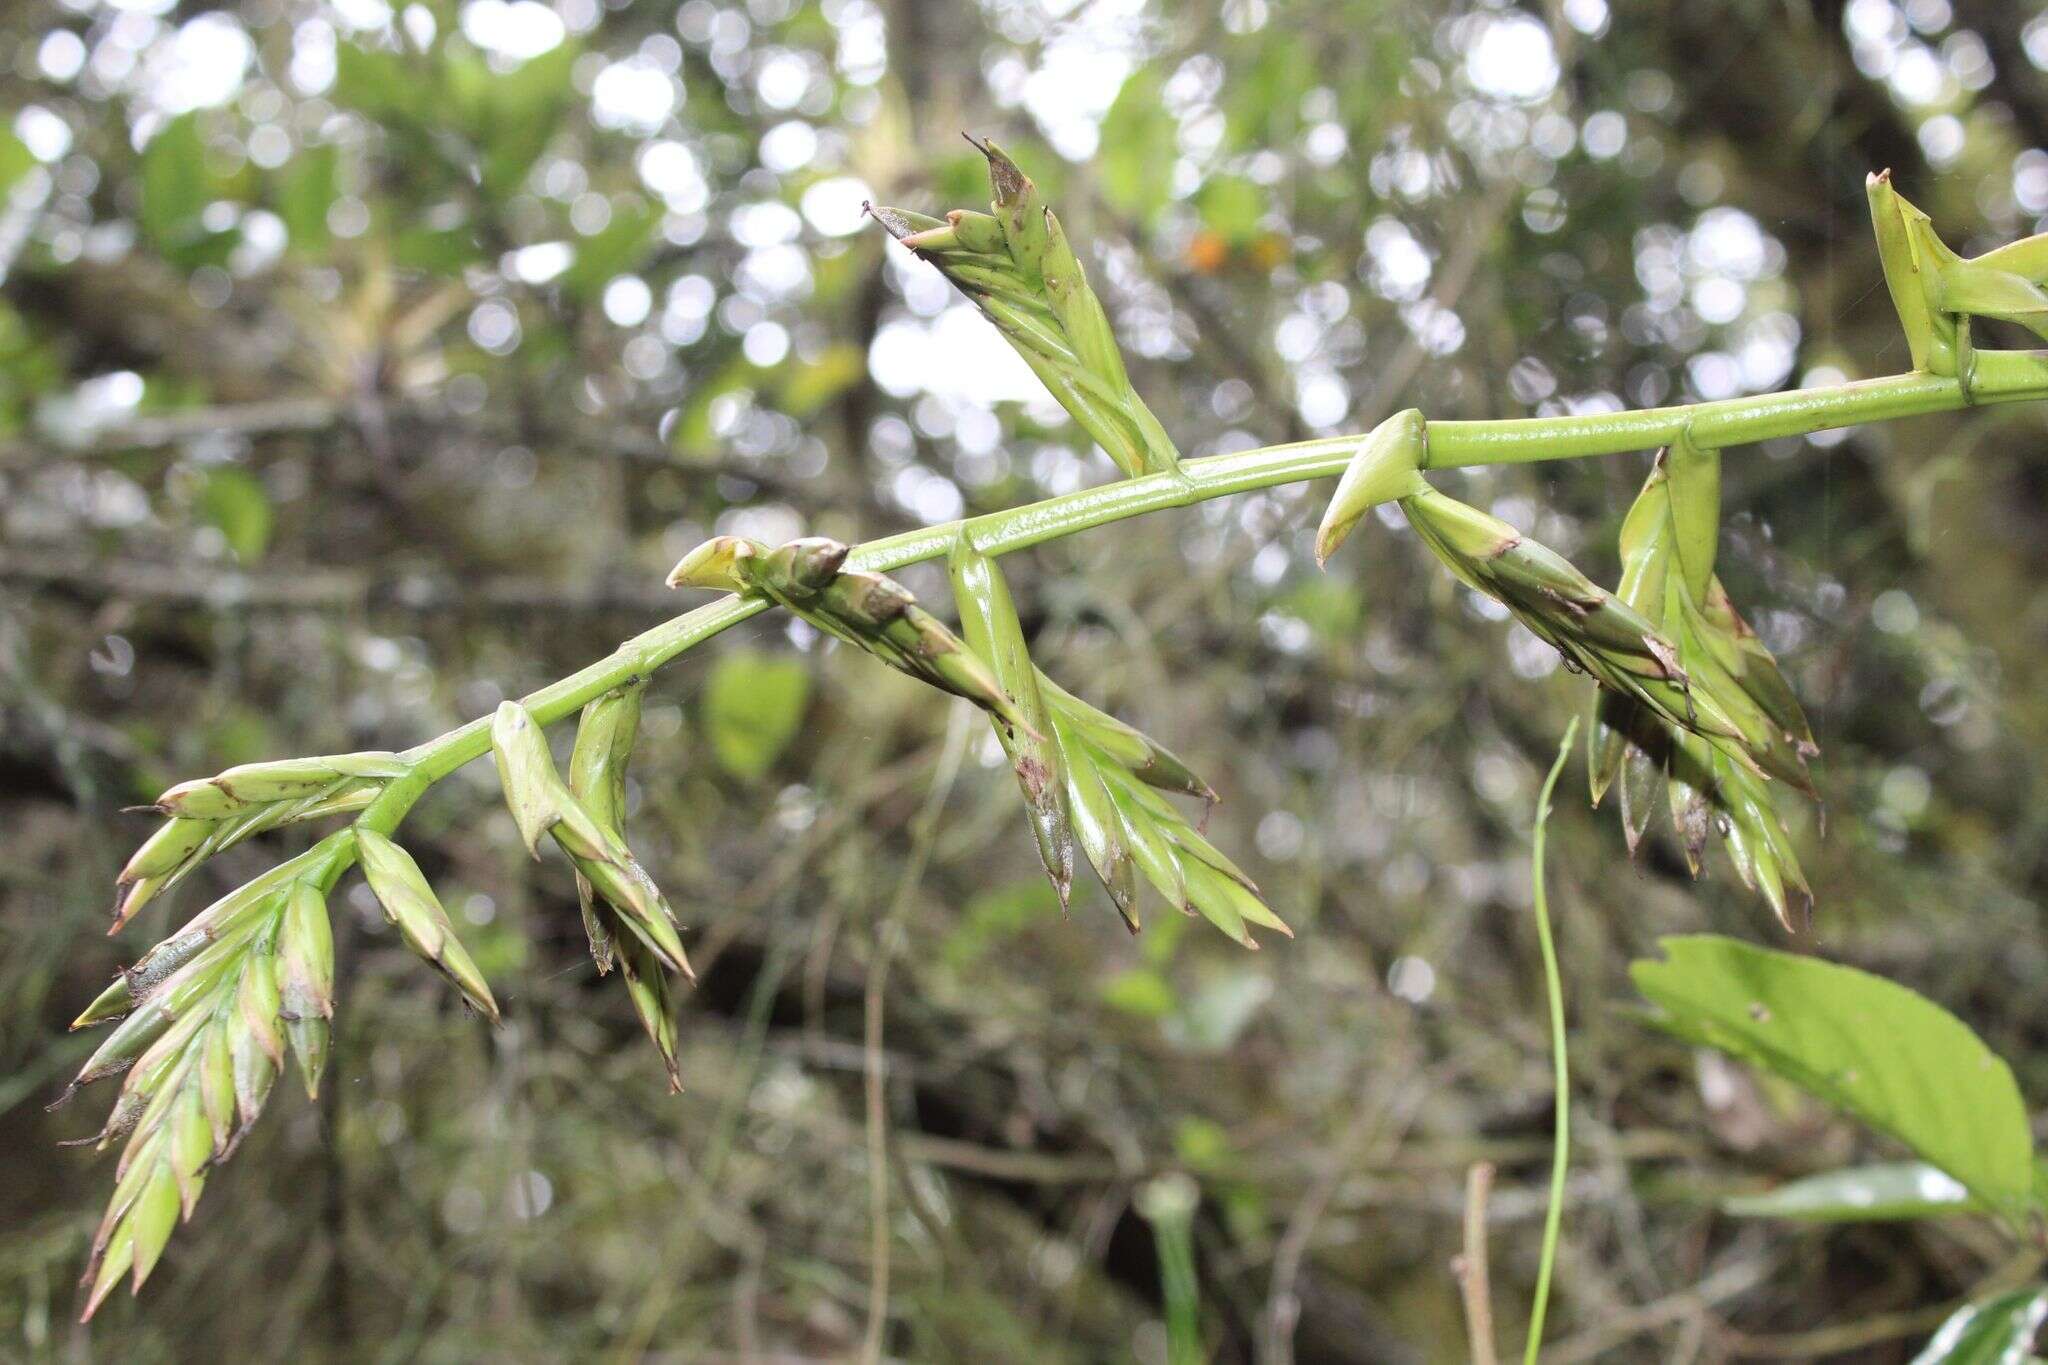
1683 692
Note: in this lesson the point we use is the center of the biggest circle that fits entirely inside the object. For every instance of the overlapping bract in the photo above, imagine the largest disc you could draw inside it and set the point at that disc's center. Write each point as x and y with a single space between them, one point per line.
1021 272
866 610
213 814
1090 779
1688 694
543 804
1711 782
1596 632
597 778
1937 291
416 912
209 1014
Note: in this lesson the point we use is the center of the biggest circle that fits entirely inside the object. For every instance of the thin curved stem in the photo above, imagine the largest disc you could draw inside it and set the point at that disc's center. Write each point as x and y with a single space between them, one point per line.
1560 1059
1999 377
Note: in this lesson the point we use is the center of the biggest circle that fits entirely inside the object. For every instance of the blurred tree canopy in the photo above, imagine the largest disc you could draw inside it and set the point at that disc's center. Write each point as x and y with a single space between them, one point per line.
362 364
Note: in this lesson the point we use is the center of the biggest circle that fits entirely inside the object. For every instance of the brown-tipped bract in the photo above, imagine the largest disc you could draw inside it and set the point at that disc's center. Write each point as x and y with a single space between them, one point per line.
542 803
1113 777
1018 267
201 1048
1712 782
413 908
1091 780
1595 631
210 815
988 618
597 778
867 610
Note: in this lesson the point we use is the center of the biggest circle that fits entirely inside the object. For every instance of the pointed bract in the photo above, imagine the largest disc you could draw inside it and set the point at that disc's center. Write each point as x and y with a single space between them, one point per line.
1385 468
413 908
872 612
526 771
1018 267
988 620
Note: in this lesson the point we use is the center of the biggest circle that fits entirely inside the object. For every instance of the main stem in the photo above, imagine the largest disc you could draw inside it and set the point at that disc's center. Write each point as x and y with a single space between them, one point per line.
2000 377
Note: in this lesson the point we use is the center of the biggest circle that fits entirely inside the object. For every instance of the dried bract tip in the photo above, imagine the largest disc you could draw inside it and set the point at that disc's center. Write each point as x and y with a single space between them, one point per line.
597 778
901 223
1017 266
870 611
988 619
806 567
1711 781
1595 631
1387 466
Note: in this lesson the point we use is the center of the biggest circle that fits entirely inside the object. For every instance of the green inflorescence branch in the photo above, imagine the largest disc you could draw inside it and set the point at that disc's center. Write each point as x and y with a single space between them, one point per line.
1691 712
2002 377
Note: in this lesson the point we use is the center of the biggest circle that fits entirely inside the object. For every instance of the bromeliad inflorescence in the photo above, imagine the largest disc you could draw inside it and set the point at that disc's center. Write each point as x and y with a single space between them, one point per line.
1685 693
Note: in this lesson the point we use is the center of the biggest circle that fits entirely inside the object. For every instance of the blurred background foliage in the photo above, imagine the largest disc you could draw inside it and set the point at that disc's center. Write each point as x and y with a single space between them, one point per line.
361 364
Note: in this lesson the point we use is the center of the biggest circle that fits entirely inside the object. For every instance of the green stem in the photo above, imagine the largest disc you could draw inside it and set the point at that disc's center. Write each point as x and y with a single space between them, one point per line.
2000 377
1560 1060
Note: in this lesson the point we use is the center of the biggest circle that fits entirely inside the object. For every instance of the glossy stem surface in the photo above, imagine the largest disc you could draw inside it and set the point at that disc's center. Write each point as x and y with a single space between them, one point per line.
1998 377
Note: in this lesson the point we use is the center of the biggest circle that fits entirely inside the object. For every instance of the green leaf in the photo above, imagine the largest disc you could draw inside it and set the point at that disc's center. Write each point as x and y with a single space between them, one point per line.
617 248
1140 140
438 251
173 179
522 109
1231 207
306 189
378 84
1877 1050
753 704
1140 991
1860 1194
1215 1016
808 385
1998 1331
16 161
233 500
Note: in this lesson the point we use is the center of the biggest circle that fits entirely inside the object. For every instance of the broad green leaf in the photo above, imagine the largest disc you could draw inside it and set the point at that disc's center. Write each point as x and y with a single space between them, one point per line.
753 704
1999 1331
1875 1049
306 187
1860 1194
1140 140
176 188
233 500
616 248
